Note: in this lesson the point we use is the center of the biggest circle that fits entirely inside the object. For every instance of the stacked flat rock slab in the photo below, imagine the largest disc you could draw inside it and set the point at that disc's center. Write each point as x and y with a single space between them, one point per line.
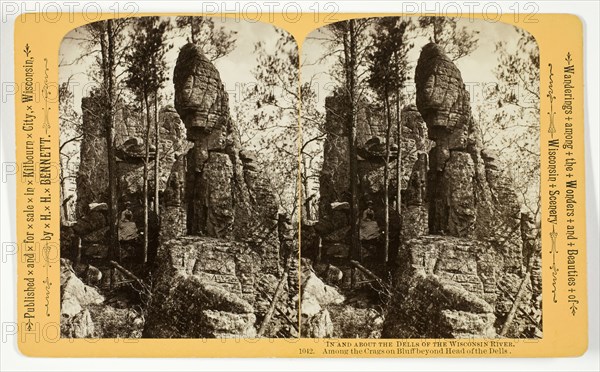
220 251
172 143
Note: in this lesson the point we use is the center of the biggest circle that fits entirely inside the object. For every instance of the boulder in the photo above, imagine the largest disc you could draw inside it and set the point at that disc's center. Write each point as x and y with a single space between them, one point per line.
75 295
208 287
222 324
433 307
79 325
324 294
320 325
462 324
316 298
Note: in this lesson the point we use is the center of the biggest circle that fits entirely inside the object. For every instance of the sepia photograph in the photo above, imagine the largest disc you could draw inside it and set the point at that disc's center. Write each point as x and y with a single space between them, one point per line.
178 156
382 185
420 169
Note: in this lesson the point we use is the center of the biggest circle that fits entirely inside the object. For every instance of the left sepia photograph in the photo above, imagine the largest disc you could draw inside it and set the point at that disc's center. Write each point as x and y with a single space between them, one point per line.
179 179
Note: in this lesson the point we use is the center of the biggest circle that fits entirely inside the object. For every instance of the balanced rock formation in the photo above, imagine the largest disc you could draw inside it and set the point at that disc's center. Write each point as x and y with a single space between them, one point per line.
468 194
455 282
221 254
226 195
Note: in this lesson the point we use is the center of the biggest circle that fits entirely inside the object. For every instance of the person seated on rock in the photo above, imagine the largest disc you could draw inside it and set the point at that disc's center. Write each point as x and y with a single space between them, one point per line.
128 230
369 229
128 233
137 217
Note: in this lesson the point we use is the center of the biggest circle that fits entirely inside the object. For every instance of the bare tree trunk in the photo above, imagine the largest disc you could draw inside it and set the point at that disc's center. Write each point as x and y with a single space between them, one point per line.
386 178
145 176
108 54
193 34
63 201
350 52
65 208
399 166
437 30
157 158
306 192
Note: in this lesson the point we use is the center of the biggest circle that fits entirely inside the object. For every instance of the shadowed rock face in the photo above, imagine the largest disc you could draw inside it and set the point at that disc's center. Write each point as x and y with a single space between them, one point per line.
371 131
130 134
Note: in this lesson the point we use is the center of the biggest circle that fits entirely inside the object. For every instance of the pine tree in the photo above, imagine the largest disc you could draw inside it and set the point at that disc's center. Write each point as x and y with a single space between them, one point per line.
146 74
456 41
351 39
109 35
214 41
387 77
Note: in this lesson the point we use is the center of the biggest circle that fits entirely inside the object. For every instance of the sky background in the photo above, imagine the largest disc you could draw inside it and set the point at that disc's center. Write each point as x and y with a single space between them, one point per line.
476 68
235 68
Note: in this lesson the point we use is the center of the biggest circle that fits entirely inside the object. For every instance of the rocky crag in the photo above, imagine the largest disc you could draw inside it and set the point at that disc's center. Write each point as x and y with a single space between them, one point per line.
464 247
215 276
222 247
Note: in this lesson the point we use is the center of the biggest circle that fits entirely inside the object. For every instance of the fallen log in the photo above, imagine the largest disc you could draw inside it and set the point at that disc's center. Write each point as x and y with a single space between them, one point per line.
269 314
368 272
130 275
510 297
516 303
283 314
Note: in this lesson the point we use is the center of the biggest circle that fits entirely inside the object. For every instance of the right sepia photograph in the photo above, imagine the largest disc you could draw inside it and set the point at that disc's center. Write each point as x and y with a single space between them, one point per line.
420 173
